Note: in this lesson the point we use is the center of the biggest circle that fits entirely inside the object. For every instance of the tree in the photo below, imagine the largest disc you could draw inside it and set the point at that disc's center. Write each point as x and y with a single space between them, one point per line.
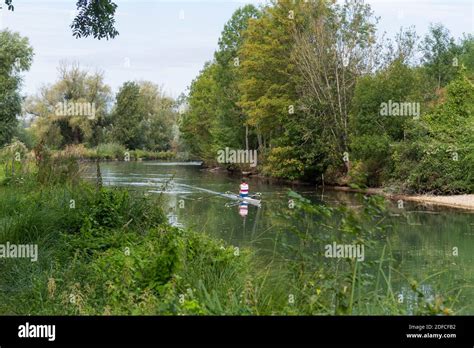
439 54
332 51
127 116
275 94
229 128
214 119
267 84
16 56
95 18
74 109
376 139
143 117
157 126
371 133
197 121
467 54
438 153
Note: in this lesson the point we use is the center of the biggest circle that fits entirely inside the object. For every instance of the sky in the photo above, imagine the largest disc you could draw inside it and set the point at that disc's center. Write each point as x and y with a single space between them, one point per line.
168 42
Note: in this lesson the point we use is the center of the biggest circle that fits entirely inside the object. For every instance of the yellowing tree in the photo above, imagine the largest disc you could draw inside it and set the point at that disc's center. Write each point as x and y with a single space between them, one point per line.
267 85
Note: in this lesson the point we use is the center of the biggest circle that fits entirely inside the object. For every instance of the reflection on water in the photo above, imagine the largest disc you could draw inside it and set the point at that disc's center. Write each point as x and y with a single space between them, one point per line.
424 239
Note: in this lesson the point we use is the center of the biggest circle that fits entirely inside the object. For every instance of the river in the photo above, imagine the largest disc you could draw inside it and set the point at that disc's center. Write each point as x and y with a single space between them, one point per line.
424 239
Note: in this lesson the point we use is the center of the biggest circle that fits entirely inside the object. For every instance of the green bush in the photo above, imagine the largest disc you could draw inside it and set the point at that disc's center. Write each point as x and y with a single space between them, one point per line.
150 155
372 154
111 151
282 162
53 169
438 153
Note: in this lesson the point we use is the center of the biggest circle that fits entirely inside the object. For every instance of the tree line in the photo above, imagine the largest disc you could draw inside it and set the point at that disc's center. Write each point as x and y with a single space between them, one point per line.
305 84
140 117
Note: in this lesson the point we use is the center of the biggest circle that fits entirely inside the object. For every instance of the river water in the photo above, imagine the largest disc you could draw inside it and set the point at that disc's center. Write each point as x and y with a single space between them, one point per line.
424 239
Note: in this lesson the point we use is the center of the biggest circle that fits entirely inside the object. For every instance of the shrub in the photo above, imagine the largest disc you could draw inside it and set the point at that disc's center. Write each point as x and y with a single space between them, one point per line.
56 168
438 154
282 162
111 151
150 155
372 154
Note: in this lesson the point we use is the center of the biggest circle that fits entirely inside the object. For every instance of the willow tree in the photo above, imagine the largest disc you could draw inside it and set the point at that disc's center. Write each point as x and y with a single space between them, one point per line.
73 110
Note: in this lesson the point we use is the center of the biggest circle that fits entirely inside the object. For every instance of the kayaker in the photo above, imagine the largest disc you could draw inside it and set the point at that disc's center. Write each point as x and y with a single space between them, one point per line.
244 188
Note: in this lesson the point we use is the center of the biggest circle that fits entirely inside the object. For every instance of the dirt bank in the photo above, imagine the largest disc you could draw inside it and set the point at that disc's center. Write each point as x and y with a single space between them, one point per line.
455 201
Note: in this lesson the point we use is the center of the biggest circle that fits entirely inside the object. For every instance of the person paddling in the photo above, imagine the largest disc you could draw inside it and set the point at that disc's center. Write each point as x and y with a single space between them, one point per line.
244 192
244 188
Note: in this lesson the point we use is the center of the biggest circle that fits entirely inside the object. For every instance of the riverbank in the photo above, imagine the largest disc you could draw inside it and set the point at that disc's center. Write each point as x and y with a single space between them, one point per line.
465 201
112 152
456 201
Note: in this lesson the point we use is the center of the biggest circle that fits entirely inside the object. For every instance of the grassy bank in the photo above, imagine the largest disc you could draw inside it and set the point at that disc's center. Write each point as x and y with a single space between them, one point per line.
100 251
113 152
107 251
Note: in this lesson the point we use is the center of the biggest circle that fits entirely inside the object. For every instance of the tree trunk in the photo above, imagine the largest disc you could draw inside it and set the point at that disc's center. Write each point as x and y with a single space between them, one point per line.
246 137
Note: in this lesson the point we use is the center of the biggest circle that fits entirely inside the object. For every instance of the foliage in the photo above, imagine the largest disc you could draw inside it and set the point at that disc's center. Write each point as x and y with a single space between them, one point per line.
439 54
438 156
94 18
196 123
62 168
16 56
71 111
373 156
111 151
416 152
333 50
214 120
281 163
267 83
143 117
14 156
341 286
311 79
229 127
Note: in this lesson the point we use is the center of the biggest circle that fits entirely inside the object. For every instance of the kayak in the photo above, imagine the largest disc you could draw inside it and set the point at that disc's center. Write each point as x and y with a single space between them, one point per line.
230 195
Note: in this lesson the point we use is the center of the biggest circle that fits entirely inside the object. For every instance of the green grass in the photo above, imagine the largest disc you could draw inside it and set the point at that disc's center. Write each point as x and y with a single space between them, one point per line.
2 174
